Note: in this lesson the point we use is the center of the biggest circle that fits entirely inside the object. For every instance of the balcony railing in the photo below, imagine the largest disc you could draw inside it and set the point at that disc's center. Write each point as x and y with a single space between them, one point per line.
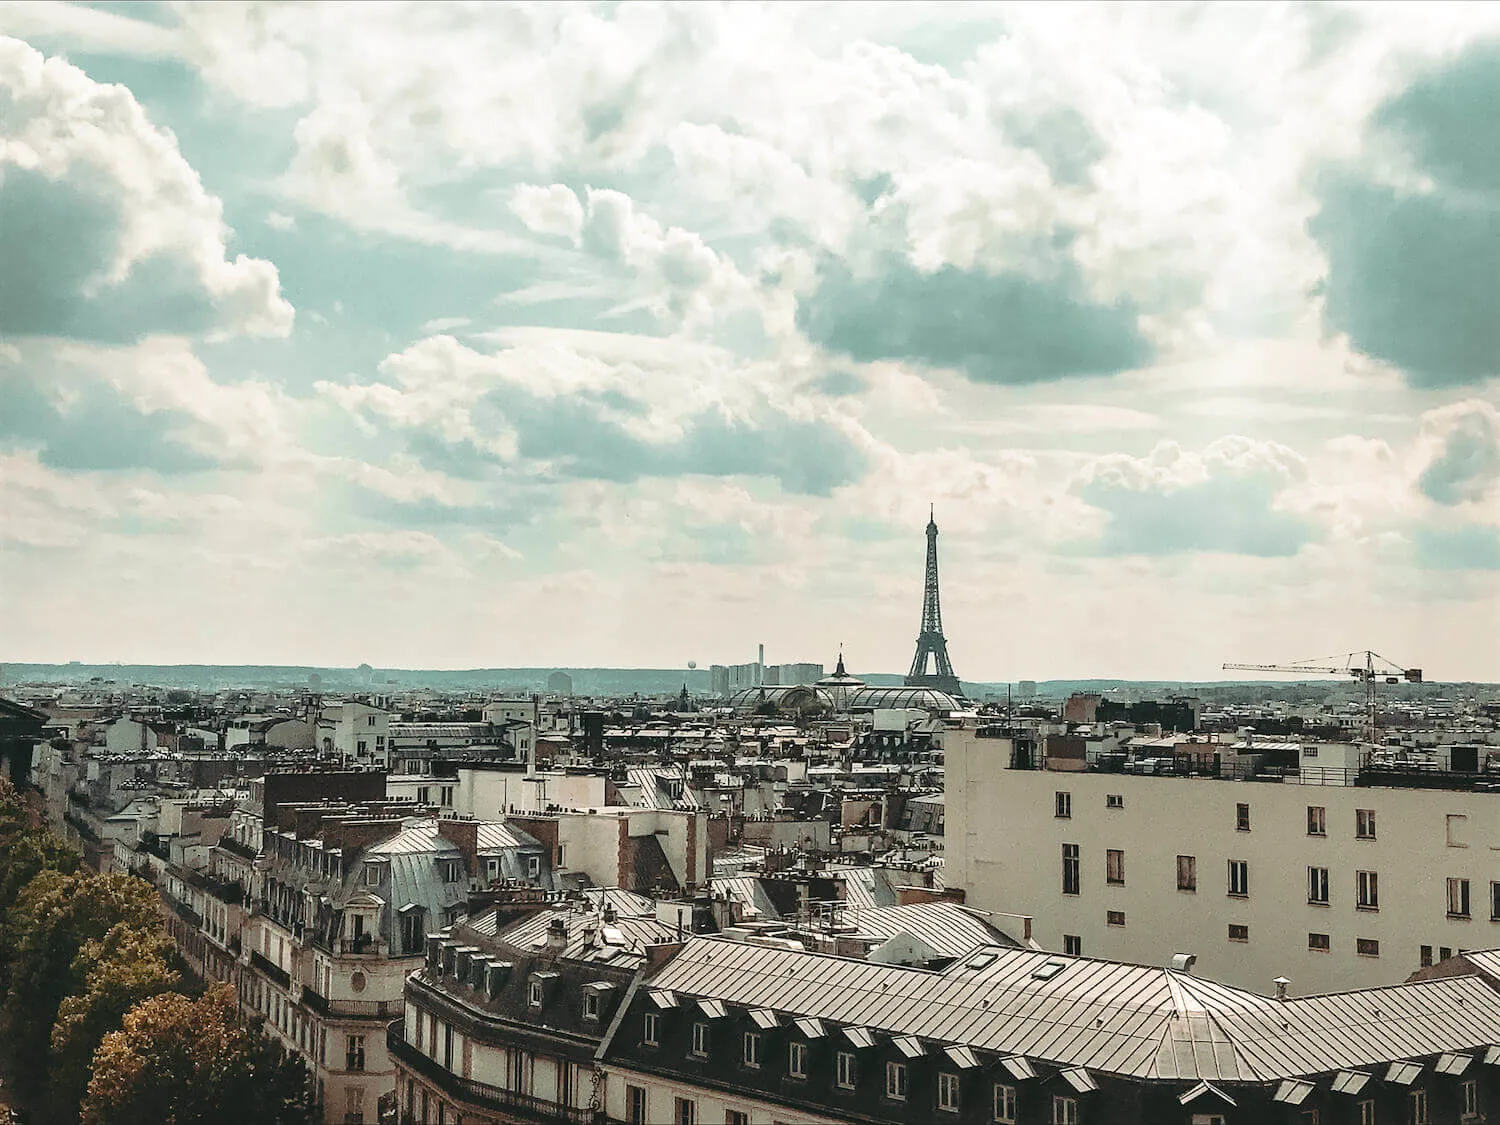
244 851
510 1104
270 969
363 1009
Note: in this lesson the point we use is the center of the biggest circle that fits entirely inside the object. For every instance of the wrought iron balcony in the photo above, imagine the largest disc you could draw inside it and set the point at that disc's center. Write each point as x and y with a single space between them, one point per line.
509 1104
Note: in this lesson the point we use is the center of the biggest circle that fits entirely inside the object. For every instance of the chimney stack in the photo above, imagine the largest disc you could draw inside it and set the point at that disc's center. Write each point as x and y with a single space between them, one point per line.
557 937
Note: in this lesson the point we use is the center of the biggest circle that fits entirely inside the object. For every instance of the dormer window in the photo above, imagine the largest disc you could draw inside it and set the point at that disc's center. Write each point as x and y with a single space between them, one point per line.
374 873
590 1005
452 869
534 994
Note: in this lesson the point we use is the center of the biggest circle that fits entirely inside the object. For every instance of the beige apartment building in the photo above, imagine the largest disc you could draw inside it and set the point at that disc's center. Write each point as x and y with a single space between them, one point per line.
1333 877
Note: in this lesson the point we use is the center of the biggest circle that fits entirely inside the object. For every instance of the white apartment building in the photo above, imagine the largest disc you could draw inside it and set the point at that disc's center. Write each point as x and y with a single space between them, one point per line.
1334 886
358 732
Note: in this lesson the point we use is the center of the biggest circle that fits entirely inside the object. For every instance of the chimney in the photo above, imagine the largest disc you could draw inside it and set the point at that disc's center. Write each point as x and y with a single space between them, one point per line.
1281 985
557 937
464 835
1184 962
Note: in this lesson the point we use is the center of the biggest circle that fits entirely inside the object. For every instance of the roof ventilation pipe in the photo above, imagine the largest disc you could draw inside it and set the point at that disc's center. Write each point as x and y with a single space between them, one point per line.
1281 985
1184 962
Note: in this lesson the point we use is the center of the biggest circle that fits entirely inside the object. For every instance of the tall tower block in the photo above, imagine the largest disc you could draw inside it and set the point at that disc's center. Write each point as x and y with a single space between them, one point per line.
932 647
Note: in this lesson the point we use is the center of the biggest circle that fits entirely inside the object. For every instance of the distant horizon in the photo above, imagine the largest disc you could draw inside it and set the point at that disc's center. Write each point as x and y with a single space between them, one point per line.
545 669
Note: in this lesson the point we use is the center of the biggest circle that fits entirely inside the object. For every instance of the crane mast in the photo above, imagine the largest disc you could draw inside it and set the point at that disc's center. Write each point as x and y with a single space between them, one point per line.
1369 668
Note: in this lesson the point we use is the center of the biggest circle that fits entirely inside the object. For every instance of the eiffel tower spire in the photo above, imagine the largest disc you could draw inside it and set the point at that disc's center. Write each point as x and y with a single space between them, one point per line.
931 644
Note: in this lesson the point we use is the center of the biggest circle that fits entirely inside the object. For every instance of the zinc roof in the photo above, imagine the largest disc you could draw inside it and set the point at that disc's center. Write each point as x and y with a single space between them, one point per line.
1130 1020
947 928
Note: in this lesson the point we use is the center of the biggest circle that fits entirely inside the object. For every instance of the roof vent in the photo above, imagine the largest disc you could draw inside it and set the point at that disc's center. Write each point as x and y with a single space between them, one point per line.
1281 983
1184 962
1048 969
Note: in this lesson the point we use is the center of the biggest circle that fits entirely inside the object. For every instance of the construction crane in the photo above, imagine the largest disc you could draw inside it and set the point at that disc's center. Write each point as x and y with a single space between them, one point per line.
1369 668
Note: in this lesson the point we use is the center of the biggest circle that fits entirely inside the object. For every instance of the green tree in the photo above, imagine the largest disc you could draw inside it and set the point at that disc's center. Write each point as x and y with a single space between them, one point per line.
124 968
54 917
193 1062
26 850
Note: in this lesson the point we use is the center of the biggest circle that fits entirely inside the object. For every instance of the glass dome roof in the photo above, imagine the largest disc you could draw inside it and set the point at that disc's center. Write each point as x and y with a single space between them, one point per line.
892 698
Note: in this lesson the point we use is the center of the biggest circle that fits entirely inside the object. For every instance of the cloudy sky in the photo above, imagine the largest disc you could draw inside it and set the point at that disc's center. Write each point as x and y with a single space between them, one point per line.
457 336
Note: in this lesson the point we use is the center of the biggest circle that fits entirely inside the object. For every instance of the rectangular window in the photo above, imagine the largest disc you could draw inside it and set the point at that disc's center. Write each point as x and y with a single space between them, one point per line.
372 874
1187 873
1317 886
736 1117
1364 824
1317 820
590 1005
895 1081
1367 947
1495 902
1239 878
354 1105
1238 932
1070 873
1458 898
1064 1111
635 1105
1444 953
751 1054
1367 890
533 866
1318 943
1073 945
1367 1112
354 1053
684 1112
846 1070
1005 1104
1114 917
1242 817
700 1039
1114 867
1416 1102
1426 959
649 1028
1457 824
1062 804
1114 800
796 1060
534 994
1471 1098
948 1092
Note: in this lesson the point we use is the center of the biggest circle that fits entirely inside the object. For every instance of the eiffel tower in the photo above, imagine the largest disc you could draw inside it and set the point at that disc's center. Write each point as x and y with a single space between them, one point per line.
930 641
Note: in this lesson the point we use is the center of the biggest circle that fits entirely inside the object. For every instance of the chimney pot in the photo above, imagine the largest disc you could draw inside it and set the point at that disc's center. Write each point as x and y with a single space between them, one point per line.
1281 986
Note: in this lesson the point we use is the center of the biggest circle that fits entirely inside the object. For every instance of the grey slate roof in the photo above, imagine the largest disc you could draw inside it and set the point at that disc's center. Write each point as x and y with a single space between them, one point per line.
1129 1020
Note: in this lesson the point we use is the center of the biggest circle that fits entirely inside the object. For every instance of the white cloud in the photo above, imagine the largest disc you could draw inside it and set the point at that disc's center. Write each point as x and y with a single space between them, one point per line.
107 230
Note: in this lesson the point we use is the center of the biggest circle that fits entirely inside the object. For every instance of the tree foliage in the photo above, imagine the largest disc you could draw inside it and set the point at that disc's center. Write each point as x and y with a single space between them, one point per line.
54 917
26 850
193 1062
124 968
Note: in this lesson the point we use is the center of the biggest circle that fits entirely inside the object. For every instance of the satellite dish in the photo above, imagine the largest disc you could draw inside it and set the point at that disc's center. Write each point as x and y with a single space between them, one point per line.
692 664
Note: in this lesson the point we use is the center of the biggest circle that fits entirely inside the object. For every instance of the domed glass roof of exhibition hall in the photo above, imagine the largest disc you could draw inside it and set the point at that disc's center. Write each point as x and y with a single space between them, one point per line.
788 698
903 698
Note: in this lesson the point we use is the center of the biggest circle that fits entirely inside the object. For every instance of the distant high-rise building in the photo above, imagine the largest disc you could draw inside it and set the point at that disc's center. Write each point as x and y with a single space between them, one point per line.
1026 690
718 680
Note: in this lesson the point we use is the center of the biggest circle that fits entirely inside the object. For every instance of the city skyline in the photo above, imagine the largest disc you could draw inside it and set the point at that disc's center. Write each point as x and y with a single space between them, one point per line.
623 337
